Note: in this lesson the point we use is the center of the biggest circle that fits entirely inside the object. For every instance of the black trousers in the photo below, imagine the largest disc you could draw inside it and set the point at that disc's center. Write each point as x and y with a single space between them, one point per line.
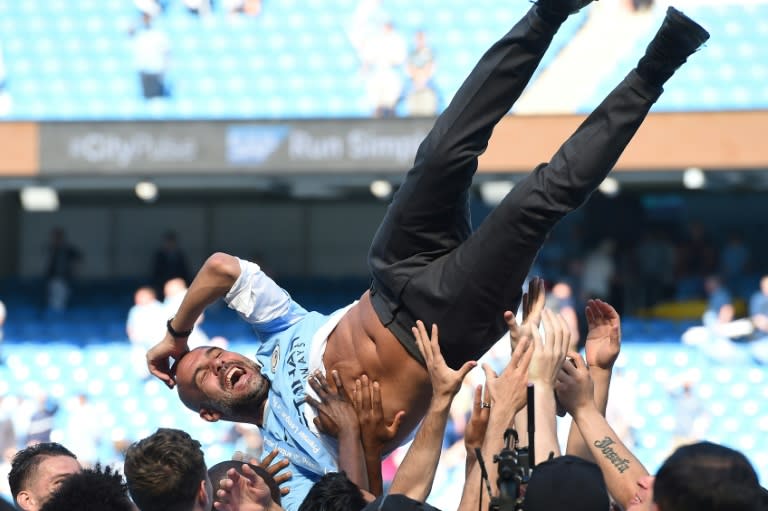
425 261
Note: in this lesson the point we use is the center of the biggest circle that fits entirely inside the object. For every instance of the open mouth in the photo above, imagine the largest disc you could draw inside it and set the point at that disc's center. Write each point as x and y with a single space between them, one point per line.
232 376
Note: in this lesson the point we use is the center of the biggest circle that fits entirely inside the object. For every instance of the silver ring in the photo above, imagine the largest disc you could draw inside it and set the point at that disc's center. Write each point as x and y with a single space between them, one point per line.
485 405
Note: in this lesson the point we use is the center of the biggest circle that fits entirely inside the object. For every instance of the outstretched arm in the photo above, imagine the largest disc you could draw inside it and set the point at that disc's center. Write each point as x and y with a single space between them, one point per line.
336 417
213 281
621 469
602 348
548 358
375 433
506 394
416 473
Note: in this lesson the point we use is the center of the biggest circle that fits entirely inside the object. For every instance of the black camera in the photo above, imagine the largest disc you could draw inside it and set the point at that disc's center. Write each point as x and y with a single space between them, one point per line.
514 471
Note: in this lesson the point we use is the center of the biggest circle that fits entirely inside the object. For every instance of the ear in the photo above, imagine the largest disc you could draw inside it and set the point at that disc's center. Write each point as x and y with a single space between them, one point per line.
204 494
210 415
25 501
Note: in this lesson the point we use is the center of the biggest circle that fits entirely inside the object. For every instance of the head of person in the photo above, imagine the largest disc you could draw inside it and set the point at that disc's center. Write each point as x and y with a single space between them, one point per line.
166 472
144 296
221 385
764 285
706 477
335 492
37 471
92 488
219 471
566 483
174 287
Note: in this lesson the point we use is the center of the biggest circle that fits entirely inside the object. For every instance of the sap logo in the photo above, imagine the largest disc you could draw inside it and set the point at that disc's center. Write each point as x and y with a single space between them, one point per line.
254 143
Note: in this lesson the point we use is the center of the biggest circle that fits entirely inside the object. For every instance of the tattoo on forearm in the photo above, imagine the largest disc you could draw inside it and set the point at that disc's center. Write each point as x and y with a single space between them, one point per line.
621 464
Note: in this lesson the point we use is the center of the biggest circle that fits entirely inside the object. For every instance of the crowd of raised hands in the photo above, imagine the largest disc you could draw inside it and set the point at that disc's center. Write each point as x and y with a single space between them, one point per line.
542 365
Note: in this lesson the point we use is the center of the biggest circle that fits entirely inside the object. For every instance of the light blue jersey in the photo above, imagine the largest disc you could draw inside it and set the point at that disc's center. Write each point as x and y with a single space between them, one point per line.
287 334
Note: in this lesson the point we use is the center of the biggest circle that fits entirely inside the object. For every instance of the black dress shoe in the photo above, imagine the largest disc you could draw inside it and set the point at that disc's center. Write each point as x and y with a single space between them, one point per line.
678 37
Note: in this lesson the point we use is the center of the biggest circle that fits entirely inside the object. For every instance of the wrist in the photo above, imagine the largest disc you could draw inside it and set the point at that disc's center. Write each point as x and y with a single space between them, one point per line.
177 333
584 411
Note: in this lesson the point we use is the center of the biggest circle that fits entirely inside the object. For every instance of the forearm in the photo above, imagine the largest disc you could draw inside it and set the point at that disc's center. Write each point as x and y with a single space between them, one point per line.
373 468
416 473
216 277
545 436
576 445
352 458
621 469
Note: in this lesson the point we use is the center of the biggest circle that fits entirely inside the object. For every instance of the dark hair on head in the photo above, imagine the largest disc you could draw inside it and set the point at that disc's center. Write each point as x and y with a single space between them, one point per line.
706 477
219 471
26 461
164 470
92 488
333 492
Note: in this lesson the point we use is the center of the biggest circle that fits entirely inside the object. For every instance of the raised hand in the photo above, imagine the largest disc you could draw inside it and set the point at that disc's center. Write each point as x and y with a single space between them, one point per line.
474 434
243 492
509 388
375 433
604 336
574 386
549 354
274 469
533 305
335 411
157 358
446 382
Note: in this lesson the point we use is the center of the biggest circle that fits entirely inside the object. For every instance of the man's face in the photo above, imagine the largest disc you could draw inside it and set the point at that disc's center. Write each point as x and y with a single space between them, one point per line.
221 385
47 478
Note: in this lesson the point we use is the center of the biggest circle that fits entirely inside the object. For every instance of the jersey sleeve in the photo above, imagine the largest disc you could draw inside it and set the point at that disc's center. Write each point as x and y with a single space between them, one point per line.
261 302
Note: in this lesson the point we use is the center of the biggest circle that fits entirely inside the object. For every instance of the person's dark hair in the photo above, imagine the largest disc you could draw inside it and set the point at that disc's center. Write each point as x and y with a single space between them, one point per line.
333 492
219 471
92 488
26 461
706 477
164 470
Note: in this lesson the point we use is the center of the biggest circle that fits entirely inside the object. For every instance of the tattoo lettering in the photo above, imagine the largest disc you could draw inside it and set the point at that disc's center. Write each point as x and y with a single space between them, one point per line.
621 464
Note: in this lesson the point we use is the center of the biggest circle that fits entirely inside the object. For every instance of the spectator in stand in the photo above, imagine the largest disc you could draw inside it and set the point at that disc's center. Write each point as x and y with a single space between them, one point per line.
63 259
169 262
99 488
691 417
720 310
151 48
383 57
42 420
37 471
175 290
598 271
145 324
421 96
80 432
560 301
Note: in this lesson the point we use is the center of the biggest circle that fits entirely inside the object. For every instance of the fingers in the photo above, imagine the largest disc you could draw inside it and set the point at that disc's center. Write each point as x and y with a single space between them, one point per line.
376 396
267 461
284 477
520 349
365 386
465 369
490 374
358 395
161 370
525 359
319 385
477 400
312 402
